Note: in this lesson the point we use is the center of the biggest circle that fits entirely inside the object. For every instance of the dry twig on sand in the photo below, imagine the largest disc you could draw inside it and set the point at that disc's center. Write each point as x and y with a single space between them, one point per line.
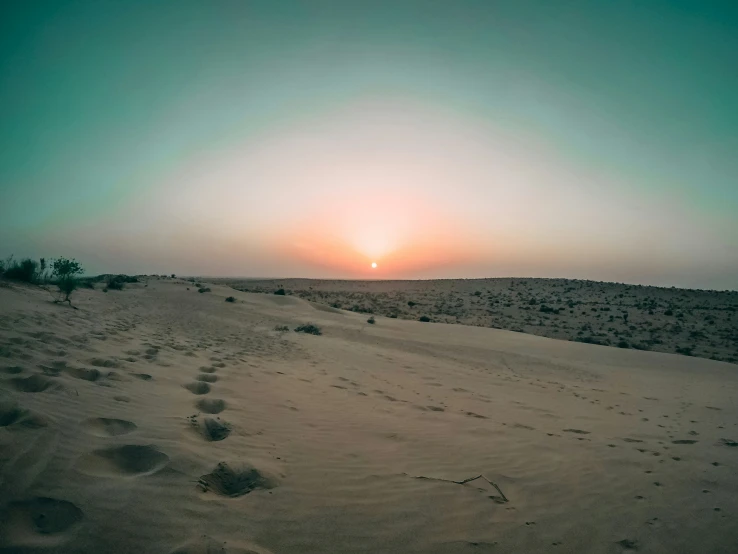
502 498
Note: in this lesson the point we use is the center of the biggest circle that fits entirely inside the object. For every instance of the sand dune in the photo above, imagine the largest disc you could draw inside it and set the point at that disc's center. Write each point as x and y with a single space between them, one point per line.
157 419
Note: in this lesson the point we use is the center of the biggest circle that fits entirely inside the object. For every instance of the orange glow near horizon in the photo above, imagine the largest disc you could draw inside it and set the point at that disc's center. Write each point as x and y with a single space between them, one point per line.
380 235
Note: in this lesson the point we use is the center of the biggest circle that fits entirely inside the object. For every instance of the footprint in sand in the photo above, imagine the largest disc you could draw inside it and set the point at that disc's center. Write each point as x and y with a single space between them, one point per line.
198 387
212 429
225 481
208 545
208 369
50 371
202 545
107 427
84 374
116 376
211 406
38 522
130 460
13 416
628 544
100 362
11 370
207 377
34 383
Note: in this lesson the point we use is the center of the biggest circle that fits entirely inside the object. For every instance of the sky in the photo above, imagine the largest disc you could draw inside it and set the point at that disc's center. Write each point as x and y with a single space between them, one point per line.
592 139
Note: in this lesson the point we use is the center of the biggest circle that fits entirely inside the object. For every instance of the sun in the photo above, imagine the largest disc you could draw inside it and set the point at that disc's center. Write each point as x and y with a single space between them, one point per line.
374 265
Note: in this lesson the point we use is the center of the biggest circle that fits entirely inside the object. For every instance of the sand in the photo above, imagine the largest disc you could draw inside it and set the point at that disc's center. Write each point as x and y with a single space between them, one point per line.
159 419
701 323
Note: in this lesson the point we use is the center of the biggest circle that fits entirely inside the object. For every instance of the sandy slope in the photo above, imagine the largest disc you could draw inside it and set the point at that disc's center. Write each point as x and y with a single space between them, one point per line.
701 323
597 449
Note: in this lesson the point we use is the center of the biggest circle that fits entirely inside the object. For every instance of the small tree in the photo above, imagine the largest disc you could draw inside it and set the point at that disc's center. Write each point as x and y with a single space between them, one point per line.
65 272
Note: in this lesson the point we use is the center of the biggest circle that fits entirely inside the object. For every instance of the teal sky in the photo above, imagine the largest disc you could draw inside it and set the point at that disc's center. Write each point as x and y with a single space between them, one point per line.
584 139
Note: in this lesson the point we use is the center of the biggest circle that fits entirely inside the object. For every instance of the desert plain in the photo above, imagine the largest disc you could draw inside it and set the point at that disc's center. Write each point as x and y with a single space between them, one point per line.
161 419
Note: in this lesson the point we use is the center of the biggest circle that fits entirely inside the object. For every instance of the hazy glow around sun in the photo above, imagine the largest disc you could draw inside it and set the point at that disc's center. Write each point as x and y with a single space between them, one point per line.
430 191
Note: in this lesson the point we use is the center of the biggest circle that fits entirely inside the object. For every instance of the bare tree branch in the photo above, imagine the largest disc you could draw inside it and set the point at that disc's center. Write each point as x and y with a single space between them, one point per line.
502 497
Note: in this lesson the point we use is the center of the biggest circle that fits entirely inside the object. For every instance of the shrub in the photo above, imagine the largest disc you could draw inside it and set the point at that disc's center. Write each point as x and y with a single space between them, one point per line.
424 319
65 271
25 270
623 344
230 299
669 312
117 282
589 340
203 289
280 292
371 321
309 328
62 267
66 286
281 328
411 303
42 275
